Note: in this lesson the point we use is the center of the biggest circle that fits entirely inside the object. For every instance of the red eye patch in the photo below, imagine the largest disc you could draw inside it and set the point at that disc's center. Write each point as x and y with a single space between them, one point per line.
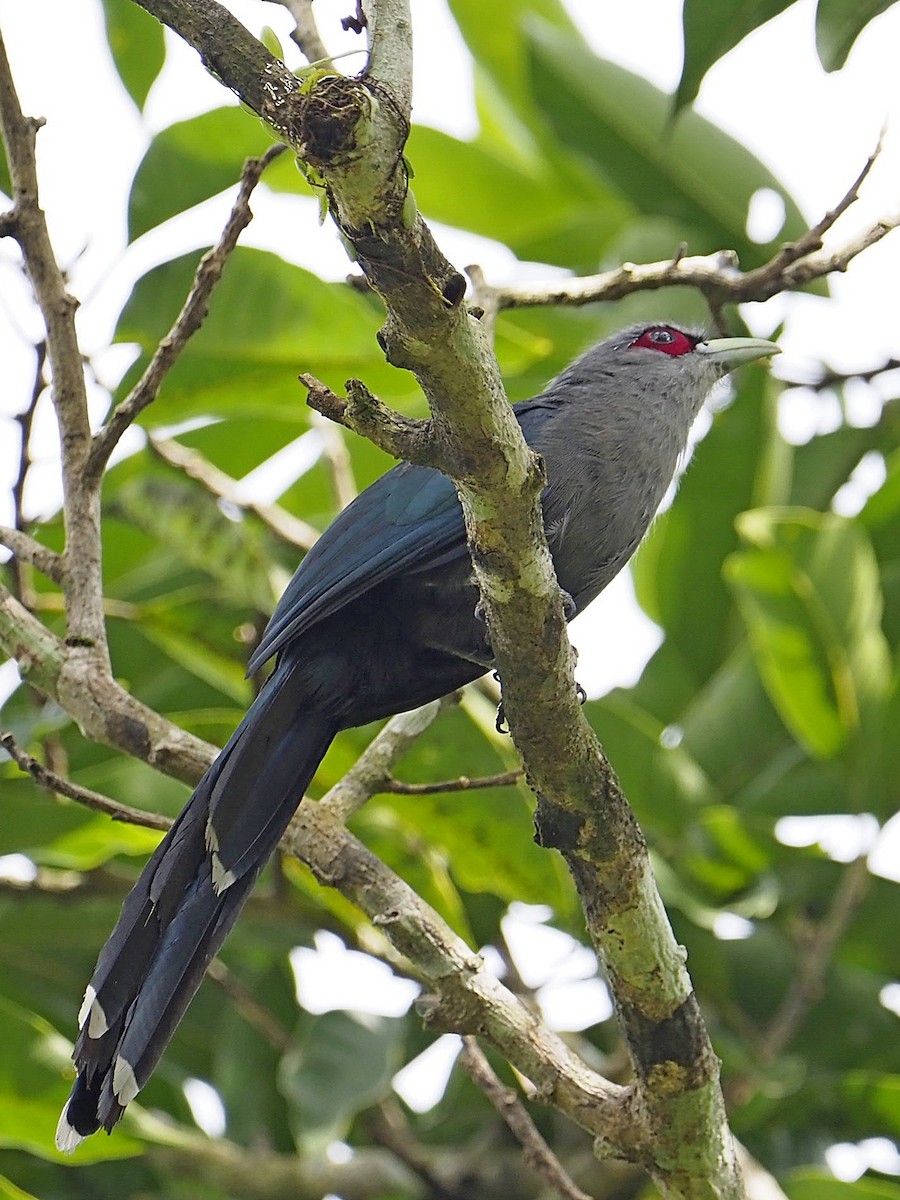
665 338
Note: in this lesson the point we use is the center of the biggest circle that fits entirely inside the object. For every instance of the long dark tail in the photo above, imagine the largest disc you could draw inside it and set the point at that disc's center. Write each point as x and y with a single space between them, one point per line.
189 895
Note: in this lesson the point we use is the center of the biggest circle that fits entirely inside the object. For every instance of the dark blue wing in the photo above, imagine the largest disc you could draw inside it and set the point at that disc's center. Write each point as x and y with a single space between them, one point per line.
410 518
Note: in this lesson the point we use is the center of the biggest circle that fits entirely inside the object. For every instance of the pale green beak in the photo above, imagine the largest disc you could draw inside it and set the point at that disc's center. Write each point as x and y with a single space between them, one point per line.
733 351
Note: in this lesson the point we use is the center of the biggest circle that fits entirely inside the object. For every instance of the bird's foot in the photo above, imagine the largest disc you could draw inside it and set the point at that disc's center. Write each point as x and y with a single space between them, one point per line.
580 693
570 608
500 721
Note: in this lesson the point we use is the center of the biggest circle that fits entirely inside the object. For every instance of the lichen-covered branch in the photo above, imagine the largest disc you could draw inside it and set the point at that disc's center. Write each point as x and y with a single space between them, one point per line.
462 994
28 549
27 224
717 277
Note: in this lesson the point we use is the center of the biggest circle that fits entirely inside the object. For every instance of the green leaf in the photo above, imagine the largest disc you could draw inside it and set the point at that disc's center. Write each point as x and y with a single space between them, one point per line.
357 1056
826 462
473 186
874 1098
663 783
35 1077
711 29
9 1191
733 732
195 159
838 25
482 839
94 842
678 570
137 44
809 593
178 513
497 43
224 674
816 1185
267 321
693 173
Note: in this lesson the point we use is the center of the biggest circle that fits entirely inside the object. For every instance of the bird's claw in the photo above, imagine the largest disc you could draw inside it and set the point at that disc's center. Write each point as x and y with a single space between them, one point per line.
500 723
580 693
570 608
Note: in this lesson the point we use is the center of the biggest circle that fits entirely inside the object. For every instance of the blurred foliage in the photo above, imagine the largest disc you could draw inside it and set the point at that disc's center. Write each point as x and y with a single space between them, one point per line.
775 691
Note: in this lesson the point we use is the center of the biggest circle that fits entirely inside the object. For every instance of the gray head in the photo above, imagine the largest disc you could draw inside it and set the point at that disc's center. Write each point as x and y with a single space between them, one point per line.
663 361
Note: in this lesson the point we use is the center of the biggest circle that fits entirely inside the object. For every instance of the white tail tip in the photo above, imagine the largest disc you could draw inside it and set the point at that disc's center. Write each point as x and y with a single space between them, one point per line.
125 1085
67 1138
92 1013
221 878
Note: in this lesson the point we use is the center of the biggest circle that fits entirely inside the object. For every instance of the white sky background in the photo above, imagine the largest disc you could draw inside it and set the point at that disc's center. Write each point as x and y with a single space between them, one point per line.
813 130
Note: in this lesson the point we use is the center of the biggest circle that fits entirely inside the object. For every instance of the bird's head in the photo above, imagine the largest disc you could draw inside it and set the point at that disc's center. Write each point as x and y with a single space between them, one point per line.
661 353
661 371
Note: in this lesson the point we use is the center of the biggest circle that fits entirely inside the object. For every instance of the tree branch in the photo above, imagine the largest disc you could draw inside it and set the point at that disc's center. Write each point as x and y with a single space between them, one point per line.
403 437
716 276
28 549
462 784
372 770
816 947
284 525
26 222
305 34
464 995
827 377
73 791
337 456
192 315
389 1127
506 1101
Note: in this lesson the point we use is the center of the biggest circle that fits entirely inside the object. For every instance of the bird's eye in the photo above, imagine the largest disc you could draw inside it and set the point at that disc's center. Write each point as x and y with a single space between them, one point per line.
665 338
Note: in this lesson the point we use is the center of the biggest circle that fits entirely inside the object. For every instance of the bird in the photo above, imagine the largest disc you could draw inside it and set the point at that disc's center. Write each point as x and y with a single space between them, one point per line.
382 615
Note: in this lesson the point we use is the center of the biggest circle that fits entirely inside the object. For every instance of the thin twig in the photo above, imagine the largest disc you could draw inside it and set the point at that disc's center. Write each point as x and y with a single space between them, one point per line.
337 456
717 276
371 771
25 421
507 1103
283 524
253 1012
82 795
462 784
81 507
827 377
389 1127
811 240
305 34
815 951
27 549
192 315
